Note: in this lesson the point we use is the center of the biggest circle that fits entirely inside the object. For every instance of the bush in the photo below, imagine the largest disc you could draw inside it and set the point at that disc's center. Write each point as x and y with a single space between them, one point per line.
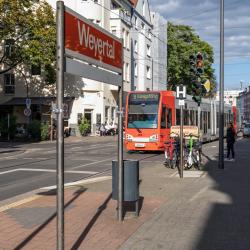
44 131
4 126
84 127
34 129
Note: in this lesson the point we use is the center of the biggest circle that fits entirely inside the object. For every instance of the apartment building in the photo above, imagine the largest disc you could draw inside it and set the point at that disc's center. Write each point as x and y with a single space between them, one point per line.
159 51
141 46
95 100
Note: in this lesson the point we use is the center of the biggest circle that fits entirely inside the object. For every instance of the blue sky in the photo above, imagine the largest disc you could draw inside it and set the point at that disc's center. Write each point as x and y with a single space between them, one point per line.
203 16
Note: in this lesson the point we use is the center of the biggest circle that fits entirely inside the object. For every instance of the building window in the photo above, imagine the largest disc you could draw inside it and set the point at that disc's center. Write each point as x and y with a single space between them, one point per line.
106 113
113 30
9 84
150 34
113 113
124 38
127 72
136 22
142 26
128 40
148 50
143 8
148 70
136 46
9 47
124 71
136 70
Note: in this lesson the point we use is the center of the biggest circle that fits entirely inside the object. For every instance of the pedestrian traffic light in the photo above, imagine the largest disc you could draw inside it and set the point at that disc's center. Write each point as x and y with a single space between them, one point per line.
192 64
199 64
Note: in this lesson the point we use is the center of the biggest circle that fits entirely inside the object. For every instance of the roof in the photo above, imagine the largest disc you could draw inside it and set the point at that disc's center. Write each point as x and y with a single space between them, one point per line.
34 100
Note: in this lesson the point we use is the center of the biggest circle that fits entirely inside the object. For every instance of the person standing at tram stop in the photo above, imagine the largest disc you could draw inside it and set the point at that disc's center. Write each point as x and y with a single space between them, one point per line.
230 141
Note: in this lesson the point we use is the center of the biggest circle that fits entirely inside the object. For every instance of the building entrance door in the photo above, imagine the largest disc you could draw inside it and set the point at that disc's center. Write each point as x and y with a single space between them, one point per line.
88 114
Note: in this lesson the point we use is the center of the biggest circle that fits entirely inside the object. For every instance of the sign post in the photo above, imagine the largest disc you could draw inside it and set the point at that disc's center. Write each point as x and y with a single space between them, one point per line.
181 95
86 50
59 112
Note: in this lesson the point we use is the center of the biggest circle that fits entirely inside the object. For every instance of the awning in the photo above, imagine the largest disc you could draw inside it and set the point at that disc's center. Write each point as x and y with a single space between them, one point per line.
20 101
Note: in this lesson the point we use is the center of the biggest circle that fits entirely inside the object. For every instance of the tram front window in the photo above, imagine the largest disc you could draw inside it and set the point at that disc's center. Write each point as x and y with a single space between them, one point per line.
143 110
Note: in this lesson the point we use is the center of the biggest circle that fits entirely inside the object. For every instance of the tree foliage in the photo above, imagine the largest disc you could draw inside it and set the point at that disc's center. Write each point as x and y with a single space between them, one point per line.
183 42
28 26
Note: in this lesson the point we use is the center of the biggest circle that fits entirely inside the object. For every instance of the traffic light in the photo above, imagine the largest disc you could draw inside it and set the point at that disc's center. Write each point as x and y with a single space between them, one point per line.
192 64
199 64
197 91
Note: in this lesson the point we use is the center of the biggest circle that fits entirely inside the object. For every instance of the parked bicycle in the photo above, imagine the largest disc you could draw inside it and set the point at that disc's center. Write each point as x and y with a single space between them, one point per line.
172 151
192 152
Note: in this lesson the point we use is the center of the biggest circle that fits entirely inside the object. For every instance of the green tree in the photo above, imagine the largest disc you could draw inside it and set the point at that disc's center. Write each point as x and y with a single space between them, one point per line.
28 30
183 42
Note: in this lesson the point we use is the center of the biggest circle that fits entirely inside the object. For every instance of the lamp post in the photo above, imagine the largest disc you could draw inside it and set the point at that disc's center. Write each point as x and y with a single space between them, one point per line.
221 107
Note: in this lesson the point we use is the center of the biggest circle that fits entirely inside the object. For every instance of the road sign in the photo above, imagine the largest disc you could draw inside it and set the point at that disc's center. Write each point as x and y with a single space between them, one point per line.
181 92
207 85
28 102
27 111
89 42
181 102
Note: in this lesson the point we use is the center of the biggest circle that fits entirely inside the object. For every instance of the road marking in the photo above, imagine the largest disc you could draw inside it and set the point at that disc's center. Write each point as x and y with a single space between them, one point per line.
198 194
18 203
9 171
88 181
172 175
93 163
47 170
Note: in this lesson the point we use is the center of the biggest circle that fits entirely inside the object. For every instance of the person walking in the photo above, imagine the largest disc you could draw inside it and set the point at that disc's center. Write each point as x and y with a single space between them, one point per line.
230 141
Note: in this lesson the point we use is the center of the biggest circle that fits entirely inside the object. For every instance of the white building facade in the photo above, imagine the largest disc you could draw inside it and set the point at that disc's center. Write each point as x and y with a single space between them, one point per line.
141 46
229 96
94 100
159 51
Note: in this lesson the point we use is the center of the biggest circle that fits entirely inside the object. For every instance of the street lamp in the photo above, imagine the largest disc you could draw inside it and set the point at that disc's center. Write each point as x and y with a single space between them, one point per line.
221 111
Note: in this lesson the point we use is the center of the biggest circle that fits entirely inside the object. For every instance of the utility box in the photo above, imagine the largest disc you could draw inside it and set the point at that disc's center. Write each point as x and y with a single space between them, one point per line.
130 180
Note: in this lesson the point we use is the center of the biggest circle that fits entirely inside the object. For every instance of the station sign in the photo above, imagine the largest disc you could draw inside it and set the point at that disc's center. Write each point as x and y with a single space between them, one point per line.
88 42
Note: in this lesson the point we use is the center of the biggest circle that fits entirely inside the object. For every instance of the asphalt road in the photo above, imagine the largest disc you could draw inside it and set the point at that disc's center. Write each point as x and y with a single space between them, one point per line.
26 167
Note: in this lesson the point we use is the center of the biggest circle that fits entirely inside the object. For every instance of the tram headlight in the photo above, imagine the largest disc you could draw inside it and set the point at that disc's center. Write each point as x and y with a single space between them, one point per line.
153 138
129 137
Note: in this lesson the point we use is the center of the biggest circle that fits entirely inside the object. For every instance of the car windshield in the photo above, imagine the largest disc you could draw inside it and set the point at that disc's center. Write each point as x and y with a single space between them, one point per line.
143 110
247 125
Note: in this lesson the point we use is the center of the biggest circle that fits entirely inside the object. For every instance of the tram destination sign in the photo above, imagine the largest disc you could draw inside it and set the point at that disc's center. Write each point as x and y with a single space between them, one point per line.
90 43
140 97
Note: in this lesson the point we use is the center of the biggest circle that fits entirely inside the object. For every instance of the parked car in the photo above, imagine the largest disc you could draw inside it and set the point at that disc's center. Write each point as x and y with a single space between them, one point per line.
246 130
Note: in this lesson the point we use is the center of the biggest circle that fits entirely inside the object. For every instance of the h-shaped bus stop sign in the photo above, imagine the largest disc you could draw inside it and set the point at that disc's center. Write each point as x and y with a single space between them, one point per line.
87 50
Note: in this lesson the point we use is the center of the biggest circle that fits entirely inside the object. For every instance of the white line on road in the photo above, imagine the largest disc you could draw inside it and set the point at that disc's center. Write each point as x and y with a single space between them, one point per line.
92 163
47 170
198 194
87 181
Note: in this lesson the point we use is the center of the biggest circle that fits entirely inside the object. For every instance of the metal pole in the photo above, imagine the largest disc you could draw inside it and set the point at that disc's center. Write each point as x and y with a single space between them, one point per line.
152 74
51 123
60 136
181 141
221 111
120 156
8 121
199 120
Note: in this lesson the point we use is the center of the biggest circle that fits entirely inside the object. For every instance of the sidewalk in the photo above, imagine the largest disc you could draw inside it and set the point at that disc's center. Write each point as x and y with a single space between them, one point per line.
208 210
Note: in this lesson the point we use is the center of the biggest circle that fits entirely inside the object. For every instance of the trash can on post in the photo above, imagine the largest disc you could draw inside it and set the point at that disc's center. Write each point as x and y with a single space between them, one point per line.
130 181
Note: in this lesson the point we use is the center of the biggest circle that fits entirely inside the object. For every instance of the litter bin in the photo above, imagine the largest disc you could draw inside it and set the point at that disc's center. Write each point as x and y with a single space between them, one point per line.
130 181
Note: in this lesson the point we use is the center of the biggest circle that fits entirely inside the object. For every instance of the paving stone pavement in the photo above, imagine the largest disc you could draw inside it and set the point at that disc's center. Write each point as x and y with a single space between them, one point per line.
208 211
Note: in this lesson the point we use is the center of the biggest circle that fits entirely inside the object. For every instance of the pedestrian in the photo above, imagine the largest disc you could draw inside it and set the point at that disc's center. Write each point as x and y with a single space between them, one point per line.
230 141
102 130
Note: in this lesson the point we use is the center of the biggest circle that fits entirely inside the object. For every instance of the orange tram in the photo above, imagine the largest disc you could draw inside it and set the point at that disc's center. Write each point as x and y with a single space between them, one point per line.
150 115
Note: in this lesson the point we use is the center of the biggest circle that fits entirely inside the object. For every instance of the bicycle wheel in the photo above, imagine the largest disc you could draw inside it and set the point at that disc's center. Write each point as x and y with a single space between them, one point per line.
174 160
167 162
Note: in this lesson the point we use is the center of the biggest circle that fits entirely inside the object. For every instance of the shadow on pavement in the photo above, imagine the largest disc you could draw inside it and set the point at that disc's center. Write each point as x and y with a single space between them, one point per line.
228 223
91 223
77 193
